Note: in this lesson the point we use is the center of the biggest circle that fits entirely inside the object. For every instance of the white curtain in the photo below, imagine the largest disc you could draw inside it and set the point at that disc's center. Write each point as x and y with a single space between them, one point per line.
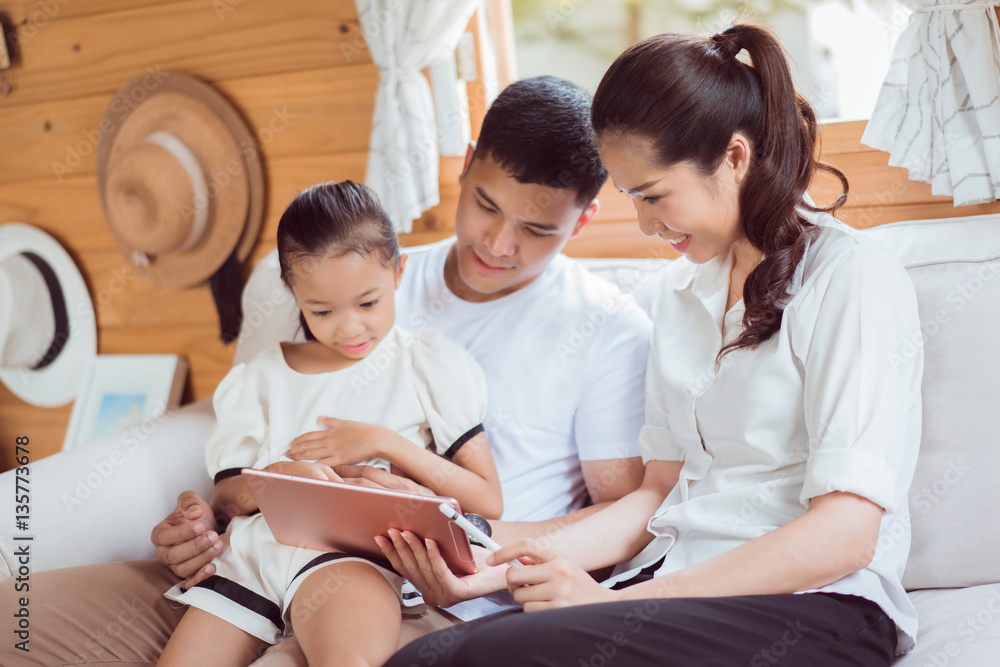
938 113
405 36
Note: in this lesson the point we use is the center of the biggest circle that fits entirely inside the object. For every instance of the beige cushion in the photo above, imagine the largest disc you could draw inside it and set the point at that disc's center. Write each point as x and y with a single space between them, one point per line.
955 496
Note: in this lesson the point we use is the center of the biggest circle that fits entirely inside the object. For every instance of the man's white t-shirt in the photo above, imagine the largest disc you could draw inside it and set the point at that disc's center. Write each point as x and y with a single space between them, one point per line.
564 359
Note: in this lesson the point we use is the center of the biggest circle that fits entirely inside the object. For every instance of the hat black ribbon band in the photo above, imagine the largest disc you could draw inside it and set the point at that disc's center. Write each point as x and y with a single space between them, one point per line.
227 290
58 309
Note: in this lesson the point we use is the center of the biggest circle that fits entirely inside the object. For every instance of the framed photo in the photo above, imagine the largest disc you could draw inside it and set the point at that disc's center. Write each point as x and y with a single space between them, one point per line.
119 391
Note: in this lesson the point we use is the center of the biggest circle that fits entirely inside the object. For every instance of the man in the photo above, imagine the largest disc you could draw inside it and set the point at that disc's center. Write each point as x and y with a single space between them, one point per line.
563 352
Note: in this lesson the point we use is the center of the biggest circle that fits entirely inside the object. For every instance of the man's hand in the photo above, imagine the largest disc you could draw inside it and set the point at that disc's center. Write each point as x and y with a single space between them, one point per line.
379 479
341 442
423 564
188 540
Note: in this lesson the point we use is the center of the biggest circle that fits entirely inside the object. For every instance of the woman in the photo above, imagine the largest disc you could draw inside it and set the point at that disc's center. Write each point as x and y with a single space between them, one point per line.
771 385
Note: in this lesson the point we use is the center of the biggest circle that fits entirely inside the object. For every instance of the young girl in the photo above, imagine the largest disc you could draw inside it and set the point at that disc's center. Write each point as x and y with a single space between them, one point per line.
340 258
780 439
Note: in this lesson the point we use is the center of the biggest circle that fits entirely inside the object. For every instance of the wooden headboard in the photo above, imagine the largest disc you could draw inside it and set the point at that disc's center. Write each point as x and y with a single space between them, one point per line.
878 194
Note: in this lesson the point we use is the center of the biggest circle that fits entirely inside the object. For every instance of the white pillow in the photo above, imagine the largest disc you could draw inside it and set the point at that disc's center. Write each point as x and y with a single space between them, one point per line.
954 499
270 314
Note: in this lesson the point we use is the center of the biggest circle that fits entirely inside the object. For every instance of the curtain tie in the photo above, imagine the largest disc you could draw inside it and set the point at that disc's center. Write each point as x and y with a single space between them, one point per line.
955 8
397 71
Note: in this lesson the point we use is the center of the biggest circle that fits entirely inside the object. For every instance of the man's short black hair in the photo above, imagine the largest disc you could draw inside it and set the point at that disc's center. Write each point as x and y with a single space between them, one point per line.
538 130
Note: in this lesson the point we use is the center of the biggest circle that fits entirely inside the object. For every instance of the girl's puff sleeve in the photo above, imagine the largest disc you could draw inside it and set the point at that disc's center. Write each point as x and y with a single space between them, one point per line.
451 388
237 441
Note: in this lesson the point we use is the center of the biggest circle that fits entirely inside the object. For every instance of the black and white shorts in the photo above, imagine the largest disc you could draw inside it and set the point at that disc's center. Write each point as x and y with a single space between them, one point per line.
256 578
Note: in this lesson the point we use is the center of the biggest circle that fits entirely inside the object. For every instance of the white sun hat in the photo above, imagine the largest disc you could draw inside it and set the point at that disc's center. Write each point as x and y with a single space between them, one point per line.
48 333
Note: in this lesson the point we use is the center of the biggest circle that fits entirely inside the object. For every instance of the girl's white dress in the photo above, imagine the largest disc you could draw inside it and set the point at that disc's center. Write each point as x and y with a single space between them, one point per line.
424 386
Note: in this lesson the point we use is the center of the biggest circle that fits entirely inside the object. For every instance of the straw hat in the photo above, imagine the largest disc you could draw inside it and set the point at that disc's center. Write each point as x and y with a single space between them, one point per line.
180 178
48 334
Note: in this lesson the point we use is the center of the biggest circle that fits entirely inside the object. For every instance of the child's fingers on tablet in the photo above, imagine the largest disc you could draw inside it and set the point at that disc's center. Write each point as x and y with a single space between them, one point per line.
361 481
372 476
365 476
330 474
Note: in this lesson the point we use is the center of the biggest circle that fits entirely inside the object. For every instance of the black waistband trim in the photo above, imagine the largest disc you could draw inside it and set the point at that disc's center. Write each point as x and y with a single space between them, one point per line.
227 473
245 598
469 435
324 558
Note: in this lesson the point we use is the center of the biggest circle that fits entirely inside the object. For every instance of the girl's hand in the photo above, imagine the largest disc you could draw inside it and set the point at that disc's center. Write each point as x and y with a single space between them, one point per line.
305 469
342 442
421 562
552 582
380 479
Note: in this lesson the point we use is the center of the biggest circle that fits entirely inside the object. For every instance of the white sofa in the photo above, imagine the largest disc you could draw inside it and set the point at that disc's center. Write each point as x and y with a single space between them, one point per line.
119 487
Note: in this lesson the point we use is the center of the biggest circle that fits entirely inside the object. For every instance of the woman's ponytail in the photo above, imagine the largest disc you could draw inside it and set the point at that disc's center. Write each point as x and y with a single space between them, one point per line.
785 162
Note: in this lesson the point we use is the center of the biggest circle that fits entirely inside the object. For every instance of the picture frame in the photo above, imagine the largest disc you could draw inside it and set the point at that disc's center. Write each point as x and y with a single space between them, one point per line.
119 391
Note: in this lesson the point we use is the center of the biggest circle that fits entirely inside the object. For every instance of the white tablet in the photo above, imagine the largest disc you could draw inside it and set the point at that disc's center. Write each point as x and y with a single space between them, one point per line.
331 516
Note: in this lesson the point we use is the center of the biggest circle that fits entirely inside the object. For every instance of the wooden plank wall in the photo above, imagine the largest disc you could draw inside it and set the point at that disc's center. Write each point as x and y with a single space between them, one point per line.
298 70
301 75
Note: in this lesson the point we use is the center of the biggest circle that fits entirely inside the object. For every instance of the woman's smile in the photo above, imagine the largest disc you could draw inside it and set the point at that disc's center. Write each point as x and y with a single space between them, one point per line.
679 243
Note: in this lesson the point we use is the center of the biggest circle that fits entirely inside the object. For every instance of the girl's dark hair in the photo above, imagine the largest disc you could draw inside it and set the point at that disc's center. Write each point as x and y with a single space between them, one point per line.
688 95
332 220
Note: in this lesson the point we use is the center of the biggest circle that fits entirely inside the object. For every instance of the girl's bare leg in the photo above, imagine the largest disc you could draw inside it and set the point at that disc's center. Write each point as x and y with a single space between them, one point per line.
346 614
204 639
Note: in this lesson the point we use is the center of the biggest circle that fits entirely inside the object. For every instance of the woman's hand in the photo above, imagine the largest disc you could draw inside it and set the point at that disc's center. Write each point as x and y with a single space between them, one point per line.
343 442
551 582
422 563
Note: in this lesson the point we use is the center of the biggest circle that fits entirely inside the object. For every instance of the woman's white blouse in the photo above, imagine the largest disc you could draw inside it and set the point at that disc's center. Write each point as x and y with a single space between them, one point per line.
828 403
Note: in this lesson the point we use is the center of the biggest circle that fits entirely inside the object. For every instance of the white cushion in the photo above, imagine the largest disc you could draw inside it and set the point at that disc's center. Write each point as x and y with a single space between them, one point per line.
958 628
270 314
954 502
98 503
639 277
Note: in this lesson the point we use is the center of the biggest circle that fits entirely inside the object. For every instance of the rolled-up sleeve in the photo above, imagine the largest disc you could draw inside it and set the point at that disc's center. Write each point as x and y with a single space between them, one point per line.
655 440
862 364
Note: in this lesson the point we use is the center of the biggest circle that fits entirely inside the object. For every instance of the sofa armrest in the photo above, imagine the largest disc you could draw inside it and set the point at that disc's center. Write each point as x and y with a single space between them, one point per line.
99 503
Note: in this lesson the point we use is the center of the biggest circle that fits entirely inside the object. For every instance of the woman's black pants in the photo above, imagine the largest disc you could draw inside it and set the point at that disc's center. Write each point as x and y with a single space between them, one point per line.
808 630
